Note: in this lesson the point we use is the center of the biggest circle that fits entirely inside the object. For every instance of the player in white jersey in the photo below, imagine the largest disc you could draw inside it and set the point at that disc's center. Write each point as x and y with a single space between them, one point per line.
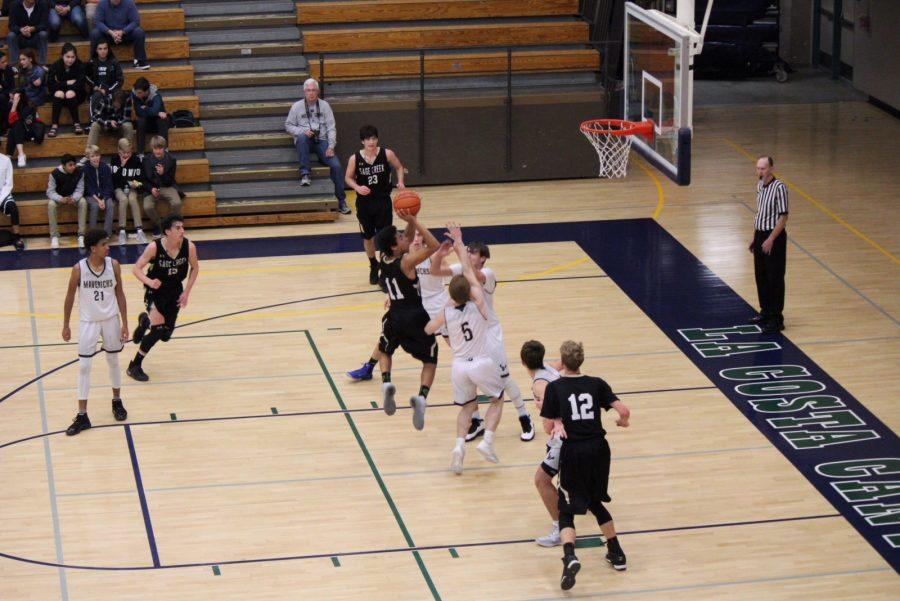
467 320
532 355
102 316
478 253
434 297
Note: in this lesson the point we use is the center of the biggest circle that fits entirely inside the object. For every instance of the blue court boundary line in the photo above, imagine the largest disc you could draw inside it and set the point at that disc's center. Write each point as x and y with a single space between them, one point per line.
145 510
415 549
169 422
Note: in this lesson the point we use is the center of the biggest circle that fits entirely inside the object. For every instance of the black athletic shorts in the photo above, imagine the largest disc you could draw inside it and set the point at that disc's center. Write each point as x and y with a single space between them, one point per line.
166 302
583 475
373 213
407 329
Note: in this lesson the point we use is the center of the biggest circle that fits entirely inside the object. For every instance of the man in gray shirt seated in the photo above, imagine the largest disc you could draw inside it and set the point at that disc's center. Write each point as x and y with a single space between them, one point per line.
311 123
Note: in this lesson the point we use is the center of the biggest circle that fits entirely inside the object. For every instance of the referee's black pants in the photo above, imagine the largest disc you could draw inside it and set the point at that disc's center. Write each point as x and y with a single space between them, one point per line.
769 270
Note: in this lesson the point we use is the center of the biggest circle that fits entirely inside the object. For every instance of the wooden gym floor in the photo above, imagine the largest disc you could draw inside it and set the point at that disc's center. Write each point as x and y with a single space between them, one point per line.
251 468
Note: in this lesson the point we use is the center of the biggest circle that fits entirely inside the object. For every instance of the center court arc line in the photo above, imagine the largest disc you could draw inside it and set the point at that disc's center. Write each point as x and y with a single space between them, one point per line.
529 541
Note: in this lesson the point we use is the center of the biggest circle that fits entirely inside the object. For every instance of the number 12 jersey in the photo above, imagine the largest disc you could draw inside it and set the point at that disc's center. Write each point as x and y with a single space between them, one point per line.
577 400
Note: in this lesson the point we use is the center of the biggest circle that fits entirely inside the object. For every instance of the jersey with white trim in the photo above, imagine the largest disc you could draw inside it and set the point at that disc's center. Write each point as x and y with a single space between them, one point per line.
434 294
489 287
375 175
97 292
467 330
545 373
403 292
171 272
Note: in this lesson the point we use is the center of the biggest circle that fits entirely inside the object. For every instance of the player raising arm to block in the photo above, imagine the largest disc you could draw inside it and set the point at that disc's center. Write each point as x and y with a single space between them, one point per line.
168 258
101 305
467 320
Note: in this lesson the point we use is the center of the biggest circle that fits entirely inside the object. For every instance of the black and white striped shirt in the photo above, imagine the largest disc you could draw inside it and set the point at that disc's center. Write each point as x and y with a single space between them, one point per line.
771 203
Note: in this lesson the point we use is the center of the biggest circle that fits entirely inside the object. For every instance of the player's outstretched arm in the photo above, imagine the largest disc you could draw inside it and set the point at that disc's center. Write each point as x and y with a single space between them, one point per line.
192 276
623 411
120 299
435 324
412 258
138 268
74 278
455 233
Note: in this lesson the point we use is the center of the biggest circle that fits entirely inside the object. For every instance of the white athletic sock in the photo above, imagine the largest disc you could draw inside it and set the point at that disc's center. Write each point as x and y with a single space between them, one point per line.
515 395
460 442
556 525
115 375
488 436
476 415
84 377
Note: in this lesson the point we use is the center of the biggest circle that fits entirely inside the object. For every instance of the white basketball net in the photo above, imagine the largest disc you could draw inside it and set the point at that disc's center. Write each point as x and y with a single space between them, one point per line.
612 149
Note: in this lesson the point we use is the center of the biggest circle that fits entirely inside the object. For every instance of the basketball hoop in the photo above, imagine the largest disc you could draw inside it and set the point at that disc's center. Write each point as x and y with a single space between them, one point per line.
611 138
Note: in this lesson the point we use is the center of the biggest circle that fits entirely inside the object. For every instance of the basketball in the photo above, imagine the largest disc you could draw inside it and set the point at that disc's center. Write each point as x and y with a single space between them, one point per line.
409 200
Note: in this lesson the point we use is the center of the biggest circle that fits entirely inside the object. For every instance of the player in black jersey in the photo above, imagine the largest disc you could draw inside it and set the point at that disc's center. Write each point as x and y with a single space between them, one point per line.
404 323
571 410
169 259
369 173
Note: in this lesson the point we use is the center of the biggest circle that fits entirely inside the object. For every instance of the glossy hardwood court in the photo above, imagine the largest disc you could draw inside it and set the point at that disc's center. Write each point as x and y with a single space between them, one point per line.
264 473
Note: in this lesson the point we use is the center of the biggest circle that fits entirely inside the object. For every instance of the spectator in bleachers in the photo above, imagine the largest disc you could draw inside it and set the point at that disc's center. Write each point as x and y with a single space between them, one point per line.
158 169
28 28
127 172
24 122
65 10
147 112
98 189
66 83
119 22
108 115
311 123
65 186
7 204
7 89
104 74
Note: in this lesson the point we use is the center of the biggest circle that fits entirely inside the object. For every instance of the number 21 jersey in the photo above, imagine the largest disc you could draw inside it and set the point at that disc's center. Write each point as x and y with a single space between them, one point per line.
97 292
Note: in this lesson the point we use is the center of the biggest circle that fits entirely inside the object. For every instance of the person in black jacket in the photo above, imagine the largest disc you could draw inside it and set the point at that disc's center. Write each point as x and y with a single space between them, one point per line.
7 89
66 83
61 10
104 74
127 182
159 182
28 31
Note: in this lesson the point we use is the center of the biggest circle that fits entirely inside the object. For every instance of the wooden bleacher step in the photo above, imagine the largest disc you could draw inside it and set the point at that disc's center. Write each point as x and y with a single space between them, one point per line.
255 78
309 13
579 59
34 179
173 103
248 49
152 19
238 141
445 36
169 47
240 109
239 21
259 173
182 138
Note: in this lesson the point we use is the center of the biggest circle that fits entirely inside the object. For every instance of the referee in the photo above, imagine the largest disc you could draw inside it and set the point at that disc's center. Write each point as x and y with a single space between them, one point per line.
769 246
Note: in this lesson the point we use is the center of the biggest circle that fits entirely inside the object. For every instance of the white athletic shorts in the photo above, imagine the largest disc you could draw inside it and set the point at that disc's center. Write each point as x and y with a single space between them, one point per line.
91 332
469 376
497 352
550 464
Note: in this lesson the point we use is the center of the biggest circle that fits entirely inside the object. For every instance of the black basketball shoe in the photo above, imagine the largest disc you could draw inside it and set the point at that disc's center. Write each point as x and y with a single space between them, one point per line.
616 560
143 324
135 371
81 422
373 274
119 411
571 565
476 429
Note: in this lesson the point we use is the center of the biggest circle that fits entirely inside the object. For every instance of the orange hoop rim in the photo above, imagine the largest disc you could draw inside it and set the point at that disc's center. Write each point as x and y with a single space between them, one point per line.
624 128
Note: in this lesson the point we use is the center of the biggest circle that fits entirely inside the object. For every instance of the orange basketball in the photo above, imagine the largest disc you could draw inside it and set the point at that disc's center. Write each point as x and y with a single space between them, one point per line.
409 200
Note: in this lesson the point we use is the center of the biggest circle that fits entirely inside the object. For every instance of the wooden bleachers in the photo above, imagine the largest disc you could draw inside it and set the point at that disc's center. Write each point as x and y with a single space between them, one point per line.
458 64
173 103
184 138
160 19
169 47
34 179
33 213
445 36
309 13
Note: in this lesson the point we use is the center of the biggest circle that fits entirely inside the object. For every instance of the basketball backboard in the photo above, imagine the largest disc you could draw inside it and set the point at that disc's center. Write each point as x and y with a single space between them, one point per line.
658 87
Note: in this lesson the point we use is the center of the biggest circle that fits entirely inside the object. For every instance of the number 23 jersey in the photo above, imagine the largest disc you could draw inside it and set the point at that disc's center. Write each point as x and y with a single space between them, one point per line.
170 271
577 400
